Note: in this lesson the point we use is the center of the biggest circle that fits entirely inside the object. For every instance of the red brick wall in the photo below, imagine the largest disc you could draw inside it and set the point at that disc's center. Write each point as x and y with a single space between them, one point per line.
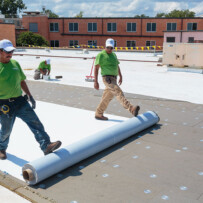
8 32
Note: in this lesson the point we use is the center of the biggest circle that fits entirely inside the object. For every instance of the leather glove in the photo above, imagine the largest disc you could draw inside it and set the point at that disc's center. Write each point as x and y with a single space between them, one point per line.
33 102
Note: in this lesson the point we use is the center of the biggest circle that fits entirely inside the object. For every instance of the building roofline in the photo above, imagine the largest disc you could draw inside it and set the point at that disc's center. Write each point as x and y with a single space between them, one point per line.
21 29
8 23
113 35
121 18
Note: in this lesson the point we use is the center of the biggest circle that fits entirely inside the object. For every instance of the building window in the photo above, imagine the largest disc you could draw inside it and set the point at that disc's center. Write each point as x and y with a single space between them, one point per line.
111 27
54 43
92 42
73 43
92 27
191 39
131 43
33 27
192 26
54 27
131 27
171 26
150 44
170 39
73 27
151 27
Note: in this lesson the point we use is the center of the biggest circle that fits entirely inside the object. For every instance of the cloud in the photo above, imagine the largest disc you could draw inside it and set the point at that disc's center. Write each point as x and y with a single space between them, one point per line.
168 6
198 9
57 1
114 8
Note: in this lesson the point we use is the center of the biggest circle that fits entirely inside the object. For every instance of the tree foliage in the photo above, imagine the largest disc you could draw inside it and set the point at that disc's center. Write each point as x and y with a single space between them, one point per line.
160 15
141 16
10 8
177 14
30 38
80 15
51 14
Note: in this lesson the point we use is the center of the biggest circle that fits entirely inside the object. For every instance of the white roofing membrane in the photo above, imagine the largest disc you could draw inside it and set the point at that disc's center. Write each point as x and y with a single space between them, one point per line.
144 78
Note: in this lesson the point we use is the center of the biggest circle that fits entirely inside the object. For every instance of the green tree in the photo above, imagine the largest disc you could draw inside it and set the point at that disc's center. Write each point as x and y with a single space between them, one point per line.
30 38
10 8
80 15
141 16
160 15
51 14
177 14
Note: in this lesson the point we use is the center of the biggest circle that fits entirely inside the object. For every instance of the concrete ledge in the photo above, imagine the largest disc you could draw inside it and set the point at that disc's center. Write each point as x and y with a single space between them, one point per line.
191 70
21 189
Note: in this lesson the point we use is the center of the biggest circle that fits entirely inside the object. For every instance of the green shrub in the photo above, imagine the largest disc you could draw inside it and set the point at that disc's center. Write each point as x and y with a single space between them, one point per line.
30 38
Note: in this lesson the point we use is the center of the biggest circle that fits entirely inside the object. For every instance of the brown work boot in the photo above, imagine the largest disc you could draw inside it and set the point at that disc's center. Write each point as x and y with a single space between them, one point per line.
135 110
3 154
52 146
103 118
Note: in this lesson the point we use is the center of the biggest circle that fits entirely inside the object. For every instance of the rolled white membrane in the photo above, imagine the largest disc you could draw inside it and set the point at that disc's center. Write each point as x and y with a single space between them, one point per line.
46 166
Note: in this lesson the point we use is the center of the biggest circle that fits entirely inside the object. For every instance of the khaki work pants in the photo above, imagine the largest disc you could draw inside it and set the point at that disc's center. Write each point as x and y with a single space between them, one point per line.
111 90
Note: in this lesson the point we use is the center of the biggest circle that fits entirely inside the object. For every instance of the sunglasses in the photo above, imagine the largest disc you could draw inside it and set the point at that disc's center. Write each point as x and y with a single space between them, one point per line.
8 52
109 48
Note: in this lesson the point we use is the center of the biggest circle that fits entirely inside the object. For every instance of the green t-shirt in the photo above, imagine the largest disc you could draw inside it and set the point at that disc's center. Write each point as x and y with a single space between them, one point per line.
108 63
42 66
11 76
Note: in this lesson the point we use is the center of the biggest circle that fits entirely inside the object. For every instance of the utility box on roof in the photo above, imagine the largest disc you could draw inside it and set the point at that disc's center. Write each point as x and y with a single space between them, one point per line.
183 55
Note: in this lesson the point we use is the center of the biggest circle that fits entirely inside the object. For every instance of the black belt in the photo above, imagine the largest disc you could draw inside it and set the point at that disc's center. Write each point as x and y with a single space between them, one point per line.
114 76
9 100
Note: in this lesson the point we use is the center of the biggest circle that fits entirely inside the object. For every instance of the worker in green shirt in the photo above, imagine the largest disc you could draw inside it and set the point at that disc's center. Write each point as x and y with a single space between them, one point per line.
109 64
43 69
13 104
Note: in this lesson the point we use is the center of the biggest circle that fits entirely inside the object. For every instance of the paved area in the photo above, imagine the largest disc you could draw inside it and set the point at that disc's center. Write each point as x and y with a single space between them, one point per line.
163 163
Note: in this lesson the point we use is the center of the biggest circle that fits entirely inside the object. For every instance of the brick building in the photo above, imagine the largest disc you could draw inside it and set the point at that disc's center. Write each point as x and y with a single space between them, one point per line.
127 32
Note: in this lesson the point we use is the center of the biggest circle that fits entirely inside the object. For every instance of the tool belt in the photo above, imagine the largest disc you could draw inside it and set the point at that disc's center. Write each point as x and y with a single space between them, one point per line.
6 105
9 100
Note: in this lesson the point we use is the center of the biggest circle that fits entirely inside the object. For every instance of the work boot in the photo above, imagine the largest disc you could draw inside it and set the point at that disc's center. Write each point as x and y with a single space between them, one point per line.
3 154
52 146
103 118
135 110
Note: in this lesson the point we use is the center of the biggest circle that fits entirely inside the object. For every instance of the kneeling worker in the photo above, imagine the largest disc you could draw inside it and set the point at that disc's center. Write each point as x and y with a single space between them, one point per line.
110 69
44 69
12 82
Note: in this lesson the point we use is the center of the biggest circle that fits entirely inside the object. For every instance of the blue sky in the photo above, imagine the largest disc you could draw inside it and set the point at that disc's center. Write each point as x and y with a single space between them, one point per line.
114 8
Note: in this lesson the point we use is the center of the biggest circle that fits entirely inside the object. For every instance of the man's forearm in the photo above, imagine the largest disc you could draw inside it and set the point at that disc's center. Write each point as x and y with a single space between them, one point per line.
96 70
119 72
41 71
25 88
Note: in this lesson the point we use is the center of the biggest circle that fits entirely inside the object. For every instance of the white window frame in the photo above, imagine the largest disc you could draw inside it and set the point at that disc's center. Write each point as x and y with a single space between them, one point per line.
92 27
74 44
171 26
150 27
192 26
111 27
131 43
131 27
53 27
73 27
